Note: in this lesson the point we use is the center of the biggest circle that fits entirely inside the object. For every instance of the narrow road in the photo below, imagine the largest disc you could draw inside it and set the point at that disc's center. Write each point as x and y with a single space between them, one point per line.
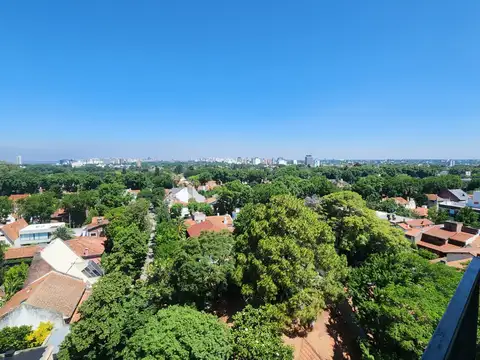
149 258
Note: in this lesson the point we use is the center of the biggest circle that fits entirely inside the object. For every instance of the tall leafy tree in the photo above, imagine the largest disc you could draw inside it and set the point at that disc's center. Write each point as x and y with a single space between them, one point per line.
14 278
6 208
109 317
127 255
180 333
38 207
285 255
399 300
201 269
358 231
232 195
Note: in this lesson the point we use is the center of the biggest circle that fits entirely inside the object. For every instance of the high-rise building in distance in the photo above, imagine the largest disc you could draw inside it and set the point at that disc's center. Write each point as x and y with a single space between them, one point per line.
309 160
19 159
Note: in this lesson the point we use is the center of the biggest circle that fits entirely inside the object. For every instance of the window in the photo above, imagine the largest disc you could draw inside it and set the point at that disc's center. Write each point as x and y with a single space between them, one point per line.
92 270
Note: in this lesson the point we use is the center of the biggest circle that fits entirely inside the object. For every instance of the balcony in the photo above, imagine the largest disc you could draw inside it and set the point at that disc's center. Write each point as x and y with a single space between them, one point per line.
456 333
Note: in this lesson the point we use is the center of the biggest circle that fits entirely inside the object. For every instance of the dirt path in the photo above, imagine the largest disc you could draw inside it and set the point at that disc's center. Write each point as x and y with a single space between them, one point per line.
329 340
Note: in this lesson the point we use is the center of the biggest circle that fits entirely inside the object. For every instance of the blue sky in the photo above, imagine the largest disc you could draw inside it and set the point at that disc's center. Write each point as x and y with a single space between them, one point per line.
183 79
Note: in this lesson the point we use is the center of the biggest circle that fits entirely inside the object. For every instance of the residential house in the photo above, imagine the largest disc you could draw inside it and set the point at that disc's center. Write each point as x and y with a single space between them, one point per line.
451 236
90 247
210 185
63 259
10 233
60 215
183 195
208 223
54 297
133 193
408 204
96 227
421 211
456 195
37 234
474 200
414 228
433 200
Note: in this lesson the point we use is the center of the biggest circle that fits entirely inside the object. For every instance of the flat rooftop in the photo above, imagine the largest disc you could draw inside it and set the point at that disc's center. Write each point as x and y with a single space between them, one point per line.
41 227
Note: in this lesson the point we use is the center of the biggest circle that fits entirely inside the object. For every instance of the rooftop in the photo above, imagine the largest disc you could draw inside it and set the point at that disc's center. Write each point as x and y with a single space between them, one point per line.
12 230
54 291
40 227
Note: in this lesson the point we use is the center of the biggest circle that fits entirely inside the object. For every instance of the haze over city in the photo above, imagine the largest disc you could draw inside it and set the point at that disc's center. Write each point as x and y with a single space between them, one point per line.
185 80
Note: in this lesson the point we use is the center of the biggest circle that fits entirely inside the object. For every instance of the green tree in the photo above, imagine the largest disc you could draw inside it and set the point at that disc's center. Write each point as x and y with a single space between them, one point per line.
201 269
232 195
399 300
77 205
63 233
257 335
176 210
370 187
114 311
14 338
111 196
6 208
38 207
180 333
285 255
468 216
358 231
437 216
128 252
201 207
14 278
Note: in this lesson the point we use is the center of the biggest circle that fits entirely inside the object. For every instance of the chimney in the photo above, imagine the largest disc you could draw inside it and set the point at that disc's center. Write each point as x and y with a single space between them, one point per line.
453 226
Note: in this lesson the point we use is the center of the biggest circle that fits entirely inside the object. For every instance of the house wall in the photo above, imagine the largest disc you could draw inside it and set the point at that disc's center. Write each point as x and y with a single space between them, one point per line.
32 316
455 257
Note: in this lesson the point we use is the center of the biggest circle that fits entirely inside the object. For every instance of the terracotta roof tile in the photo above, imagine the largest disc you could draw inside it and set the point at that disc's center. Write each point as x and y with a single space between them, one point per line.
461 236
419 223
76 314
404 226
220 220
55 291
413 232
442 248
12 230
432 197
24 252
16 197
421 211
87 246
400 200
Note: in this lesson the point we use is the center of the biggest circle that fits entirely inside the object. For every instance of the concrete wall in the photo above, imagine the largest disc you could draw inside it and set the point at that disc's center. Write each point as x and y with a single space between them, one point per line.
32 316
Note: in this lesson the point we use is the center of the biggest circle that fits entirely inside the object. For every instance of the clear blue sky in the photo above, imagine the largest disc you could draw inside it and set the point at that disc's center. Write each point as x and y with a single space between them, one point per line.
182 79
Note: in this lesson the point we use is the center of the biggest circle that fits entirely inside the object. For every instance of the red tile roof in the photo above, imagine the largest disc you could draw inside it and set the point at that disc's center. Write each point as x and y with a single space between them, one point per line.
16 197
87 246
76 314
403 226
446 235
419 223
432 197
221 220
24 252
442 248
97 221
421 211
207 225
12 230
54 291
413 232
400 200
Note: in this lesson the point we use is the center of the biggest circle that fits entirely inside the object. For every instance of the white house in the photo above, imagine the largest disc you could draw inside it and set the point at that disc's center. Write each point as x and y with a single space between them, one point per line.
37 234
474 201
183 195
63 259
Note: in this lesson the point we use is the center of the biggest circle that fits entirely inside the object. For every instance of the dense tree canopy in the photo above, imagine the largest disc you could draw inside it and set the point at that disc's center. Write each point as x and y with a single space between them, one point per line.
399 300
180 333
6 208
285 256
358 231
38 207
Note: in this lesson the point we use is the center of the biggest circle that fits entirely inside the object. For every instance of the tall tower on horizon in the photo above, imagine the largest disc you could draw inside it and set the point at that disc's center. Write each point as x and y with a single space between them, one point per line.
19 160
309 160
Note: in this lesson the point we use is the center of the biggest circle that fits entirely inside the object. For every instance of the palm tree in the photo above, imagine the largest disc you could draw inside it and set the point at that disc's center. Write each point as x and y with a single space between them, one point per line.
63 233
